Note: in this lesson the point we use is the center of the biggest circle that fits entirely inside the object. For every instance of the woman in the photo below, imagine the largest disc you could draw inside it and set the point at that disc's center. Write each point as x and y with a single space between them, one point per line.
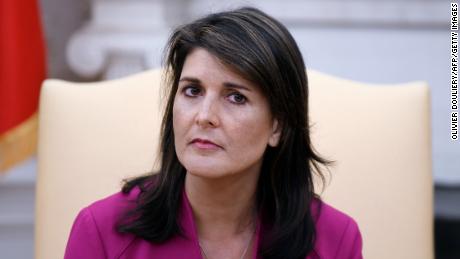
236 177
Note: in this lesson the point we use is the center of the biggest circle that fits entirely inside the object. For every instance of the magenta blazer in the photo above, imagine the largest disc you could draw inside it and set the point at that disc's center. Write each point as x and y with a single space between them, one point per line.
93 234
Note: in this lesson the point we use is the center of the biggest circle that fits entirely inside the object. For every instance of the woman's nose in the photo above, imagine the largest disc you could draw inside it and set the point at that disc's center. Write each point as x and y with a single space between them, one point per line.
207 115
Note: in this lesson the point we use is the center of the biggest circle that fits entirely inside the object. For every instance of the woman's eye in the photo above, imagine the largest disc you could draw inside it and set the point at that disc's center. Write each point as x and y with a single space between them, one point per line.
237 98
191 91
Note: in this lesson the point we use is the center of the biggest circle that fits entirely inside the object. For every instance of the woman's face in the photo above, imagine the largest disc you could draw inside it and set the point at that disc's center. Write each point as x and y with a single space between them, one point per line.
222 123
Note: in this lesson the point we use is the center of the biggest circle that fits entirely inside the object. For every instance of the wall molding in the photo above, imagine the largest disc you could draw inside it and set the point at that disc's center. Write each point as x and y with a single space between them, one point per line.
140 27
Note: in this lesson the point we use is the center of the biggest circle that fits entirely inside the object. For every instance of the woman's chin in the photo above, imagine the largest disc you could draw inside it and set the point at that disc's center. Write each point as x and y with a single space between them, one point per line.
205 167
209 173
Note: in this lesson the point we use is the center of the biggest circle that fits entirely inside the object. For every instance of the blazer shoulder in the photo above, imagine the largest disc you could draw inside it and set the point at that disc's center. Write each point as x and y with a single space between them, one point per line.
101 218
114 205
337 234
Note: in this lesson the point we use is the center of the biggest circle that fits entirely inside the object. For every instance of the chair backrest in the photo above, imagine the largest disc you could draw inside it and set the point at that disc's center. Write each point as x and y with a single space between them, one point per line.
93 135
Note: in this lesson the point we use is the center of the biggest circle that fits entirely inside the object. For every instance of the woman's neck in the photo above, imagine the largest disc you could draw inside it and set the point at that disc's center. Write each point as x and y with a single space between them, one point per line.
222 208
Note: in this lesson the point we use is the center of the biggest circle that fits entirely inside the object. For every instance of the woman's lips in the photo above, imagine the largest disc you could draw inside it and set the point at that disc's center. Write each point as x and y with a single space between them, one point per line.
204 144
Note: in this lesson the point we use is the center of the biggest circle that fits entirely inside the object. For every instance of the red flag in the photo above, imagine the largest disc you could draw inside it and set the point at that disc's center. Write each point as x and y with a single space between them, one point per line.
22 70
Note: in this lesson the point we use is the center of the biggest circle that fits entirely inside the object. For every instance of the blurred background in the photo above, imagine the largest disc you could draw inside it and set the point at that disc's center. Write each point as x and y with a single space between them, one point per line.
386 41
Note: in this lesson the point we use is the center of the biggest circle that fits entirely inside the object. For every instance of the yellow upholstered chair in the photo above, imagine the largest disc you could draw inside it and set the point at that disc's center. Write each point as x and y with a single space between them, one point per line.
92 135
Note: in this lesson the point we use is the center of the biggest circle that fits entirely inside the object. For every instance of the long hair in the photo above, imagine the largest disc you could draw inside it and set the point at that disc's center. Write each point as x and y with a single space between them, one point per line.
261 50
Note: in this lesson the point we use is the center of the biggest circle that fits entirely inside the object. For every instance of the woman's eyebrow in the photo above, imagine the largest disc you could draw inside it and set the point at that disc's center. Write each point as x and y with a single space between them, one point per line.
233 85
226 84
190 79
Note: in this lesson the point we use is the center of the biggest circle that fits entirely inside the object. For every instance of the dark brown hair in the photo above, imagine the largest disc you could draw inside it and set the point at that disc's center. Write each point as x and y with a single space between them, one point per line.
261 50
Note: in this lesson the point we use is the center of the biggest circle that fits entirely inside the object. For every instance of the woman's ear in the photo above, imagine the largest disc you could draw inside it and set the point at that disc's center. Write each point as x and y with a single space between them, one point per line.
276 133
